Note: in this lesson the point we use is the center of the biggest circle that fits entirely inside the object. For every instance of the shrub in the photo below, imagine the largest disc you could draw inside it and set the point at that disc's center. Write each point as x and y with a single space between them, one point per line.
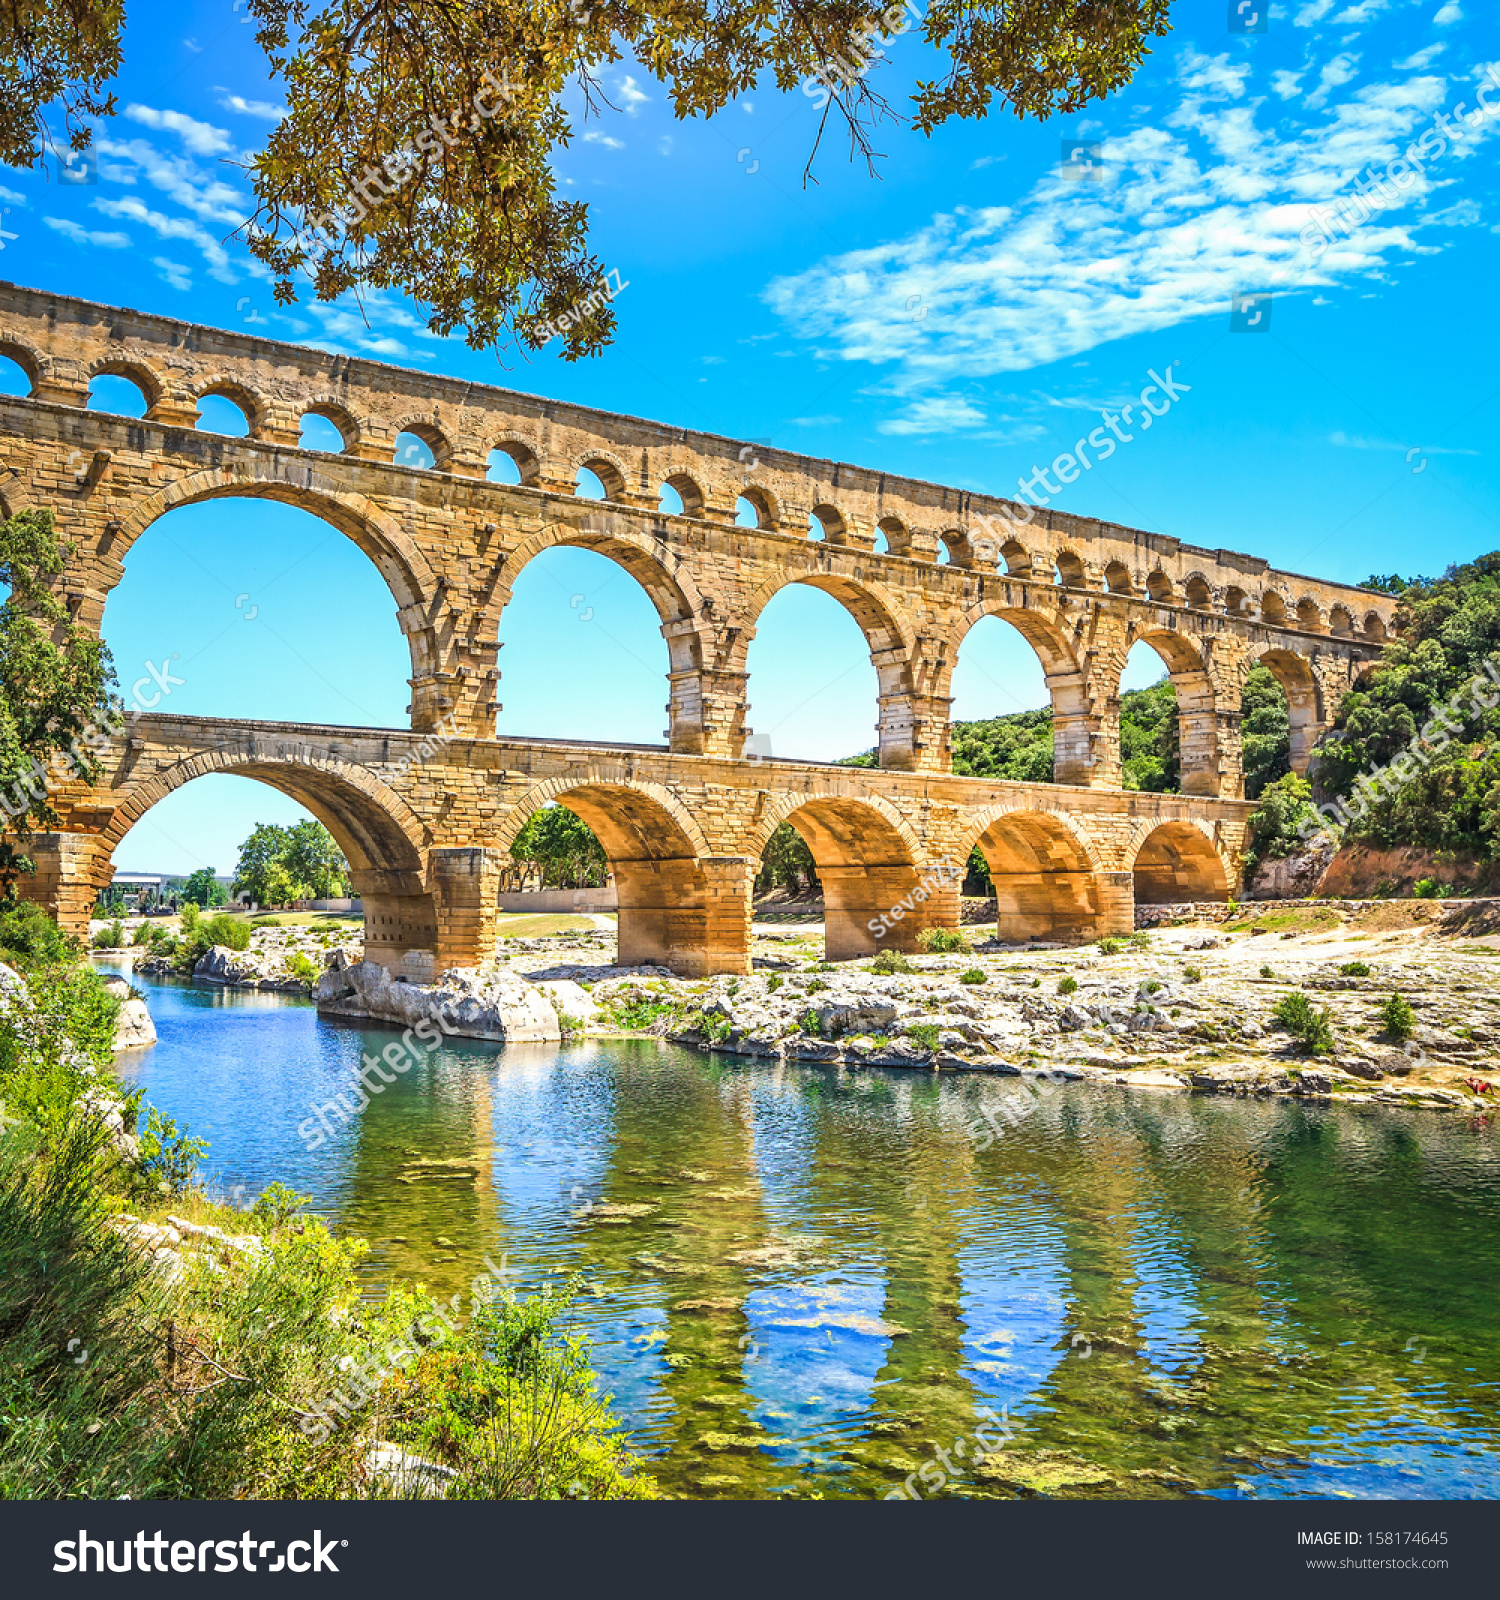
228 931
169 1154
941 941
191 916
1268 972
1397 1018
923 1034
814 985
890 961
1110 947
265 922
110 938
1140 940
1068 985
27 932
1277 824
774 982
301 966
278 1204
636 1014
1193 974
1354 969
1312 1029
973 975
1152 986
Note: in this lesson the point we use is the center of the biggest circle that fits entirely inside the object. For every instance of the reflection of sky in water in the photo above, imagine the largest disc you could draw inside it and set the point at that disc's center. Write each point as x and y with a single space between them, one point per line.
815 1348
1166 1306
1013 1299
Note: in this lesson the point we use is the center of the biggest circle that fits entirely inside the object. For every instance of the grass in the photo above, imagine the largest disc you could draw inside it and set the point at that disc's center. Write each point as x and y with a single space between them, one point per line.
539 925
1310 919
923 1034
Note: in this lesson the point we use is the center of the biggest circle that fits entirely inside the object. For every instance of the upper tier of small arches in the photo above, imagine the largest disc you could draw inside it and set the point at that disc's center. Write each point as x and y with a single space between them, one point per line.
672 480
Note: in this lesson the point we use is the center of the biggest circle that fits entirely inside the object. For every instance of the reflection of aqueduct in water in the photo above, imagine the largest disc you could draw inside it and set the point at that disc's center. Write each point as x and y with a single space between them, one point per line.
684 824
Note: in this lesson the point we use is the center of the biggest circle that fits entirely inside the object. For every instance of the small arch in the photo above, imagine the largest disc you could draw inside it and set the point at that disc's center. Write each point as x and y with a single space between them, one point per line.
1071 572
1176 863
1236 602
608 474
1199 595
688 494
896 534
1309 615
28 367
756 509
1375 627
1117 578
1159 587
1340 622
217 413
1042 873
421 445
139 376
316 421
830 523
1272 609
1017 558
117 395
954 544
513 461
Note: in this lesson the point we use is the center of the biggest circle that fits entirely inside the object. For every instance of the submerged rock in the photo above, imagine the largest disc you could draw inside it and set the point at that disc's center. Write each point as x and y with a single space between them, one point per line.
472 1004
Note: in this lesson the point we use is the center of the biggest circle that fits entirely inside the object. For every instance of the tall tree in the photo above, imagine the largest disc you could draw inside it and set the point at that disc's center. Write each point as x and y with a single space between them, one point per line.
418 145
563 848
314 858
56 714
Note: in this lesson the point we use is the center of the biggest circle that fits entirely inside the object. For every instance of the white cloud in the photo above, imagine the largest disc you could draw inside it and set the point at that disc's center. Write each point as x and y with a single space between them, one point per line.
1422 59
815 422
984 161
202 138
593 136
1285 83
938 414
12 196
1184 216
100 241
1362 12
166 227
1313 12
1334 75
175 274
1452 12
666 144
253 108
204 194
1356 441
632 95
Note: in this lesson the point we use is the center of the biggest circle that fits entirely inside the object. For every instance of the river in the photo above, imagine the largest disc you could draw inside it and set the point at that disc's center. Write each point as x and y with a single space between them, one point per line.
831 1277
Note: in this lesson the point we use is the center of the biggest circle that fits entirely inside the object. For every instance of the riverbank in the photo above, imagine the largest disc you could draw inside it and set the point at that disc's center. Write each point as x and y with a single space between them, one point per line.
230 1352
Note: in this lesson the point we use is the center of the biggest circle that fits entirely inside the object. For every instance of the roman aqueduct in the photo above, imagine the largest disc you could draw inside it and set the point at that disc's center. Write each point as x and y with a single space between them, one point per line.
427 824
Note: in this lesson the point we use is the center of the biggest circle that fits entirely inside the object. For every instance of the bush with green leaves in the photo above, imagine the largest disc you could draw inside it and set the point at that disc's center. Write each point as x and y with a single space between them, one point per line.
1068 985
923 1034
169 1155
1398 1020
28 935
889 962
1193 974
1312 1029
941 941
1355 969
973 975
111 937
1110 947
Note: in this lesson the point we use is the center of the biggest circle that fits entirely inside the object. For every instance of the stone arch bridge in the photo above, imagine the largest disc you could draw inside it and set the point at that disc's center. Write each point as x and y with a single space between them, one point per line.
915 564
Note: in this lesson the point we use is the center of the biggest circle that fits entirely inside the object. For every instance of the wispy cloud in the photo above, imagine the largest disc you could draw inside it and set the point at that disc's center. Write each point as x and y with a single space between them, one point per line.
99 241
939 414
173 272
264 109
1188 212
593 136
202 138
632 96
165 227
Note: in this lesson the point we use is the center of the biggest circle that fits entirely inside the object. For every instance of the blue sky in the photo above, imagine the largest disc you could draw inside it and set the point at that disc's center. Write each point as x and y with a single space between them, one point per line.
961 318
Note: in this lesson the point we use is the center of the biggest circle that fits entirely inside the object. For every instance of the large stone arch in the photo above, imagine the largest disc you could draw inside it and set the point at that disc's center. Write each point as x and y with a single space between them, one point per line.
1077 718
676 908
875 891
395 554
1175 861
1304 700
1047 873
387 846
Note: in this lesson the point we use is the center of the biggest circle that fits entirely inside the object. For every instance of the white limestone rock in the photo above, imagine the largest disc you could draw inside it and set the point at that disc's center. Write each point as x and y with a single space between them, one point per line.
472 1004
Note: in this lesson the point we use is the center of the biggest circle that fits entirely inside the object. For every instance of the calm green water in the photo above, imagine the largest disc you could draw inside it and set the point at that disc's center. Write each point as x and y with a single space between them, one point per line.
1238 1299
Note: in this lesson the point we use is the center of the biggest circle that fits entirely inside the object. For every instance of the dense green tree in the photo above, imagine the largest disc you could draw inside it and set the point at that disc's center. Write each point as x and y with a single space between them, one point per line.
55 682
261 871
1281 822
1017 746
787 863
313 857
204 889
1414 757
562 847
1265 732
420 138
1149 739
